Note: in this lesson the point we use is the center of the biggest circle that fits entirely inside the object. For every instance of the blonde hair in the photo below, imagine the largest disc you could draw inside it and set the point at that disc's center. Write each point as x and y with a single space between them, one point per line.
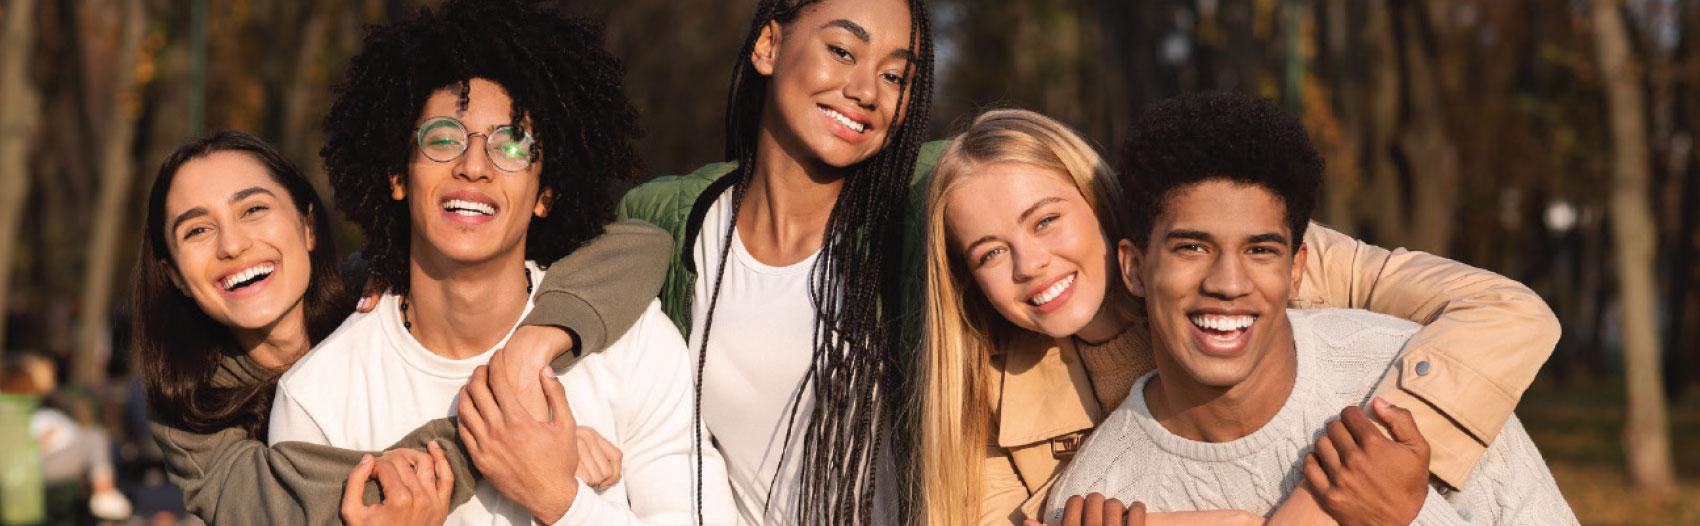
962 329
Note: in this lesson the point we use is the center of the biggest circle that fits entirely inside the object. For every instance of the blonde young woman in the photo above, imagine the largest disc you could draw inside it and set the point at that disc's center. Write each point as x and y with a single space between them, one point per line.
1028 346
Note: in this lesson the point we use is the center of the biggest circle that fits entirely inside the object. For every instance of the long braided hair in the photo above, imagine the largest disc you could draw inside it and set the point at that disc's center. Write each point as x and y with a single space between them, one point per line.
856 370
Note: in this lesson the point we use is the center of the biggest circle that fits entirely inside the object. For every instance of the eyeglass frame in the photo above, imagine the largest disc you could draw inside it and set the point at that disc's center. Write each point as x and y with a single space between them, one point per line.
526 139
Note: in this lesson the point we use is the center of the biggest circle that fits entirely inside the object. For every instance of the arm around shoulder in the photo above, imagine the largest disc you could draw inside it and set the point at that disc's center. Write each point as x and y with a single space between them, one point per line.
1484 338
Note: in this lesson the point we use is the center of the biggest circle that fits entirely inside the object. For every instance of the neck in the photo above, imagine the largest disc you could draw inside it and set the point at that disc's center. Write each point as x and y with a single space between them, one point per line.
277 347
783 216
1105 326
1196 411
460 310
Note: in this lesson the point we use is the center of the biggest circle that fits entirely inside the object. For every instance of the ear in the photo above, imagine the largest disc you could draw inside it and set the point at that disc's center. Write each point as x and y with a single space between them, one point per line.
307 227
398 188
176 277
761 56
1129 256
1298 277
545 201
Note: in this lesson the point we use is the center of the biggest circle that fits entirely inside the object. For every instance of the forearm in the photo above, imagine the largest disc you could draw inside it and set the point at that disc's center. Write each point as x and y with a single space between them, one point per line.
229 478
598 291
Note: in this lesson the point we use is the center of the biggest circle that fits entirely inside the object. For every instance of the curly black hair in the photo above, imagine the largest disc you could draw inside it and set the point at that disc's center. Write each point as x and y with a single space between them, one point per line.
1227 135
553 67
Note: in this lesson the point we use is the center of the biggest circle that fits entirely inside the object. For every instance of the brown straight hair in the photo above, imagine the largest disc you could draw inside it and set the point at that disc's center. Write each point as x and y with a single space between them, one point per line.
178 347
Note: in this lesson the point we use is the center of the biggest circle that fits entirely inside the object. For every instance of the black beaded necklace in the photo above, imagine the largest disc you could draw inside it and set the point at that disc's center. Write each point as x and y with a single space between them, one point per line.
405 324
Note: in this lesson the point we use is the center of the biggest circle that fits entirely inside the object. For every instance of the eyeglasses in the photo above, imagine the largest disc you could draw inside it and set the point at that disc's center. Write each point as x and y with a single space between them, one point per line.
444 139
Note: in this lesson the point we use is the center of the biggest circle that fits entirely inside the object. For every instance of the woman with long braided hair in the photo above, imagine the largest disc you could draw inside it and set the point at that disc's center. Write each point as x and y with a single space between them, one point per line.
790 258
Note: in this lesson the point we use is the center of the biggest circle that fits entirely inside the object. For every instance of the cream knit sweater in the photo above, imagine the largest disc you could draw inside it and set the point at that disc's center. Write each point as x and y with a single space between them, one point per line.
1341 356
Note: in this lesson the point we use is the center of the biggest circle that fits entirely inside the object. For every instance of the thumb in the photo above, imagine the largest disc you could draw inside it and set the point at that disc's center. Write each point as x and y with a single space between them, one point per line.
1400 423
557 397
353 492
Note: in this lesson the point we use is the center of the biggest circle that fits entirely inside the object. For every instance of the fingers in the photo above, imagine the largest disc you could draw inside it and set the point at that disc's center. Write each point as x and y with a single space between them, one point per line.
556 394
1114 512
1072 510
369 300
1360 426
1400 423
1328 458
396 489
1343 442
1094 512
1315 478
1136 514
472 424
445 473
353 493
479 389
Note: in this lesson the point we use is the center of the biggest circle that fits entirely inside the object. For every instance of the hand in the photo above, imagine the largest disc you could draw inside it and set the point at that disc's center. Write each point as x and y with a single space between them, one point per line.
598 460
528 459
531 347
416 488
369 298
1095 510
1360 476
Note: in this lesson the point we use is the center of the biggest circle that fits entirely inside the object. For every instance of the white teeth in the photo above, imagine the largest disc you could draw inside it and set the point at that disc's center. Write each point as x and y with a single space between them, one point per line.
229 283
853 125
1218 322
1052 292
468 208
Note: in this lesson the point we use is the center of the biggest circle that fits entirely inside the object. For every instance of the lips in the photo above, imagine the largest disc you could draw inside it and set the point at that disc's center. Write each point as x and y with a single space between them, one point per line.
247 277
1055 294
845 124
468 207
1221 333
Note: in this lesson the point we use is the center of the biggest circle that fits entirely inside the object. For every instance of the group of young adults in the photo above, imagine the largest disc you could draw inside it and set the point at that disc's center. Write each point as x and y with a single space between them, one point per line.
841 324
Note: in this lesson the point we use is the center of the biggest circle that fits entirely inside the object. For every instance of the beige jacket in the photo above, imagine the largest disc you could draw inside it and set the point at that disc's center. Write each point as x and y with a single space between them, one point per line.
1485 337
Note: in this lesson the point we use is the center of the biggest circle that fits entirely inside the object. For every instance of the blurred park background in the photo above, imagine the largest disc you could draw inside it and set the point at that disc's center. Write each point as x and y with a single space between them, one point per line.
1551 141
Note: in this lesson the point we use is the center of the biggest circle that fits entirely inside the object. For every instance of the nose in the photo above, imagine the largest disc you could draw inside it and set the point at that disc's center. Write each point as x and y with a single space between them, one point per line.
474 163
862 88
1227 279
1030 263
233 240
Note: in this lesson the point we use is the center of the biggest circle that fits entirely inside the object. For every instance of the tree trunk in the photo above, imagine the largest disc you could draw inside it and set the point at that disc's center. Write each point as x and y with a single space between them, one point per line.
19 111
1427 147
1646 434
94 335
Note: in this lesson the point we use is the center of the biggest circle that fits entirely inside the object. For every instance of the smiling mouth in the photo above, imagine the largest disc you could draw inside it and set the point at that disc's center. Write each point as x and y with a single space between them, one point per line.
1224 328
1055 290
247 277
464 208
844 120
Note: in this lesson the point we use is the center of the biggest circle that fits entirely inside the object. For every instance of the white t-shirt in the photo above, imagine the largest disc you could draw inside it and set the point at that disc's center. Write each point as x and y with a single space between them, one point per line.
763 343
371 383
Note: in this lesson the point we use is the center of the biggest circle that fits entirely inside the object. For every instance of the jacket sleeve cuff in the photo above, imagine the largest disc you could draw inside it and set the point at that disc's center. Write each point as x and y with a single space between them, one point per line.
573 314
1454 447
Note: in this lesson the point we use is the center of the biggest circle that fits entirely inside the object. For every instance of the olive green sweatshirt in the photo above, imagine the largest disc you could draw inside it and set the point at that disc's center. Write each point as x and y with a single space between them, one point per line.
597 292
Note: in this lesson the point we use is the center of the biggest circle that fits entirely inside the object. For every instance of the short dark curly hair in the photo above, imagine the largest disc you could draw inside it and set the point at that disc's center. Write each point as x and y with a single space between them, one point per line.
1216 135
553 67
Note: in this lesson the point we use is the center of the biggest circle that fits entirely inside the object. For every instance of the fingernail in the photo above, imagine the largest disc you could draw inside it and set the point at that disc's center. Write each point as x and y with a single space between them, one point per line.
546 372
366 459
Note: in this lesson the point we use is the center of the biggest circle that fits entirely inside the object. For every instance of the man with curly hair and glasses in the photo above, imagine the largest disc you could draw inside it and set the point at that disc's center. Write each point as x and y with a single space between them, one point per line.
469 143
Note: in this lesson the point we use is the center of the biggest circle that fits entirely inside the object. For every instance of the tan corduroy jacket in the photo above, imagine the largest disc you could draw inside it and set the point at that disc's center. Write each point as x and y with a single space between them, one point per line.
1484 338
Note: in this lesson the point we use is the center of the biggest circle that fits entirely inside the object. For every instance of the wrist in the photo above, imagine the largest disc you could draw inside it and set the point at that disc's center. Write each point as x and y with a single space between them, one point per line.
549 509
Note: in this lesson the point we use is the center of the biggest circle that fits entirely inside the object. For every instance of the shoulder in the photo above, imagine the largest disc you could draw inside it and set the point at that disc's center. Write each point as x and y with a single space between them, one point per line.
333 357
652 338
1353 347
1344 326
666 200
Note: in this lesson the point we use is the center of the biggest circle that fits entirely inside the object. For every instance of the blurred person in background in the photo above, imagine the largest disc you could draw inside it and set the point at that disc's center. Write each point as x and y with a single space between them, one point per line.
77 473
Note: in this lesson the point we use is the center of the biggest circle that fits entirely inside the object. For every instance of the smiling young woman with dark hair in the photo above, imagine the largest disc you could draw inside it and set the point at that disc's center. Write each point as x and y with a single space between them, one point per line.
789 272
238 278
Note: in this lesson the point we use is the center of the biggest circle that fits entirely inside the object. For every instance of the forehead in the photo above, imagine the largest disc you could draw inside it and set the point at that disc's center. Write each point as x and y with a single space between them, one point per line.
210 180
1224 208
992 196
487 104
886 21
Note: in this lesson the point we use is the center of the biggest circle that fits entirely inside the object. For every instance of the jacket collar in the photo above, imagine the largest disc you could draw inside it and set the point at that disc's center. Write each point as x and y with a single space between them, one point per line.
1045 392
699 210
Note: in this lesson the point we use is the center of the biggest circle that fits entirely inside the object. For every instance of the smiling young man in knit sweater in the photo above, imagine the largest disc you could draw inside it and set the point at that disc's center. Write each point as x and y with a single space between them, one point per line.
1244 387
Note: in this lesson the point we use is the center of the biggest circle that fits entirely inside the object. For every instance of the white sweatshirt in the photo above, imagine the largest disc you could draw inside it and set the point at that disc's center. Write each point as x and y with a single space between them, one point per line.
1341 356
370 383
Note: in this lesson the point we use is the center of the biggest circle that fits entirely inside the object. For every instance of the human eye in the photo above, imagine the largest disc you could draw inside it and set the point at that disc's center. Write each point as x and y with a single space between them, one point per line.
193 232
1194 248
1046 221
840 52
990 255
893 78
255 209
1264 250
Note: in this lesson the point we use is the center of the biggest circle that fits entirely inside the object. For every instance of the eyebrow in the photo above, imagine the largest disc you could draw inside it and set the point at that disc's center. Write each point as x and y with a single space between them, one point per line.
1199 235
199 211
855 29
1271 237
1023 219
